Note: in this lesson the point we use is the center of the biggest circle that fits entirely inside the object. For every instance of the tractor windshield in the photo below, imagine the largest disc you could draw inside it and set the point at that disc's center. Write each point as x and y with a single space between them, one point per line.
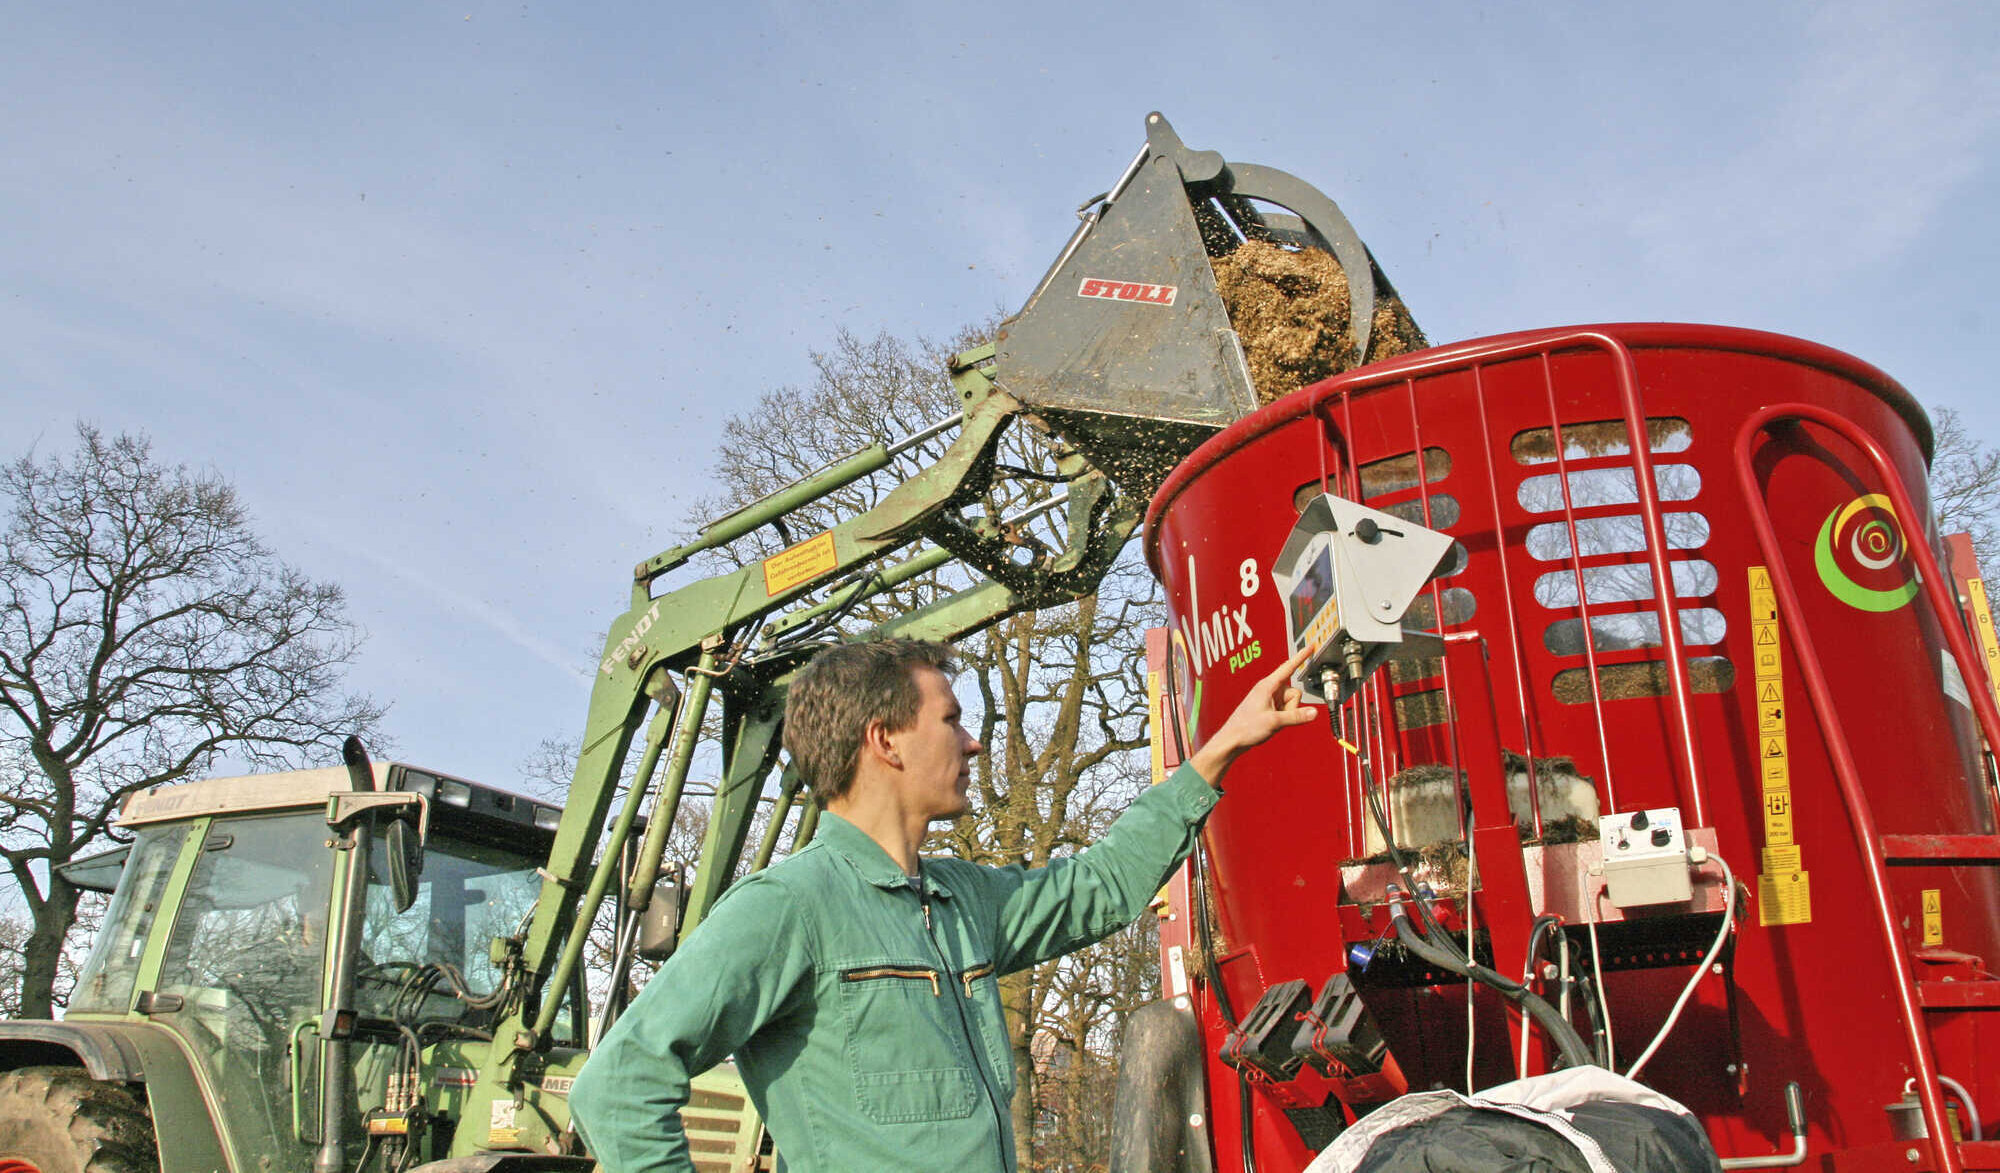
413 963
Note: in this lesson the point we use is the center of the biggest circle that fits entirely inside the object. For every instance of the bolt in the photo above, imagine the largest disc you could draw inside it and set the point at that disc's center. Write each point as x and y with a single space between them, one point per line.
1910 1155
1730 1068
1716 969
1194 1120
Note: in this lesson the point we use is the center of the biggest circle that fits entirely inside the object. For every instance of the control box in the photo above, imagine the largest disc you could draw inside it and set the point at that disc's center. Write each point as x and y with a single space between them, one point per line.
1645 857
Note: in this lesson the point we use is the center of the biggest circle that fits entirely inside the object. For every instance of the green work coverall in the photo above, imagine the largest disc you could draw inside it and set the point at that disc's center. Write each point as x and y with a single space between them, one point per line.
863 1011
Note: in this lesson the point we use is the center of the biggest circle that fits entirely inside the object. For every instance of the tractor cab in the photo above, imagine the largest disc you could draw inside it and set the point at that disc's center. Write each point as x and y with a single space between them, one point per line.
238 925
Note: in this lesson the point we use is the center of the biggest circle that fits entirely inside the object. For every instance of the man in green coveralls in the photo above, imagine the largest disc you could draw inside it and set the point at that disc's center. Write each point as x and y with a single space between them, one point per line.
855 982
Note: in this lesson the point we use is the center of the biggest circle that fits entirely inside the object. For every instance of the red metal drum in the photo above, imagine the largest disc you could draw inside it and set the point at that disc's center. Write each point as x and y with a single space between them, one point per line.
1803 692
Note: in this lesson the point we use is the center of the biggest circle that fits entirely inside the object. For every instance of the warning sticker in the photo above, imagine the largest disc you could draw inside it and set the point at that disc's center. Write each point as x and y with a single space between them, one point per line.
1781 859
1983 618
1933 916
1784 898
501 1129
799 564
1784 894
1778 817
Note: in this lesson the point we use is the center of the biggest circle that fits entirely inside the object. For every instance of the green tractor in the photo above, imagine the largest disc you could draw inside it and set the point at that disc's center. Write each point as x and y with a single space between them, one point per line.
379 968
297 970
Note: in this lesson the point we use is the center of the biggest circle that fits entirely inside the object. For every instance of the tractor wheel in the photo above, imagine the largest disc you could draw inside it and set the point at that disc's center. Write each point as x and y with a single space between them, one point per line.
59 1120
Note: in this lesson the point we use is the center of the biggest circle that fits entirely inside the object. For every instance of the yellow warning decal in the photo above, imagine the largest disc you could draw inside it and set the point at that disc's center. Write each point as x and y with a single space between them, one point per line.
799 564
1784 891
1933 916
1784 899
1982 617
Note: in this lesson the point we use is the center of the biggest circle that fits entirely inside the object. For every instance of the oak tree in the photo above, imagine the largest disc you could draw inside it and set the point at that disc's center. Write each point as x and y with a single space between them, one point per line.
146 634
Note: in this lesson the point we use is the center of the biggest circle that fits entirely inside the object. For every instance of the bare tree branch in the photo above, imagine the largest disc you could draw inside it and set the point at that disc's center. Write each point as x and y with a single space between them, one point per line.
146 632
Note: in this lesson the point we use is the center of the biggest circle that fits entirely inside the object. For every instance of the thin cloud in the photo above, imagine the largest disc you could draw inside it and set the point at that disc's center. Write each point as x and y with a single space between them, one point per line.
1883 121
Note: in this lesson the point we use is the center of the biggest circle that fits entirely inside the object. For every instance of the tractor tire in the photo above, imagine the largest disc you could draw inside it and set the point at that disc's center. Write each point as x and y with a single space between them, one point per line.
59 1120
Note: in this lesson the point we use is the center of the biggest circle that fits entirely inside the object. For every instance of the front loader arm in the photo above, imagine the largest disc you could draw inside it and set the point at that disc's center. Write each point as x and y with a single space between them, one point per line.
699 633
1124 351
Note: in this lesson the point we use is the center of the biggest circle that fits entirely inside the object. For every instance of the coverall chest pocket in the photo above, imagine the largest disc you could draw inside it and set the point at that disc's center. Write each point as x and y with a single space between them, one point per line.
905 1044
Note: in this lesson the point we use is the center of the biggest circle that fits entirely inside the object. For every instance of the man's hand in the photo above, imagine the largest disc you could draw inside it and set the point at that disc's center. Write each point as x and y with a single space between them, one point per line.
1271 704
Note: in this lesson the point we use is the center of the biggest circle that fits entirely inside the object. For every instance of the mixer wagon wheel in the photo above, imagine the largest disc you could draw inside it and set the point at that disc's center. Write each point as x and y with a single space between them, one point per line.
59 1120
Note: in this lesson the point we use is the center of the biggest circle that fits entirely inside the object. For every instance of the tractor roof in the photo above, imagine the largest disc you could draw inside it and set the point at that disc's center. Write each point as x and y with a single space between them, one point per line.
311 788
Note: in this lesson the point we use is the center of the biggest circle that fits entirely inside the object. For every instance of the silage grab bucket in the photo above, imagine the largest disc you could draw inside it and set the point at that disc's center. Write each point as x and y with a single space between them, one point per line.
1125 347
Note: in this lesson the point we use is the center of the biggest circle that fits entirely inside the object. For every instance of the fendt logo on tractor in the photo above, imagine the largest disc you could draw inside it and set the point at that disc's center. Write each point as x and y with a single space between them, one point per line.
1127 291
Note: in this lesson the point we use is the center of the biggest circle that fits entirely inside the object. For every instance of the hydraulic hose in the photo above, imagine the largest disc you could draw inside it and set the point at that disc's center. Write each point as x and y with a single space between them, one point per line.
1247 1134
1568 1042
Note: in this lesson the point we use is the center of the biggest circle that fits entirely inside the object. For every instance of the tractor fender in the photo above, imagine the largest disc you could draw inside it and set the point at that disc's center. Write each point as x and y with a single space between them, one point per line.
129 1053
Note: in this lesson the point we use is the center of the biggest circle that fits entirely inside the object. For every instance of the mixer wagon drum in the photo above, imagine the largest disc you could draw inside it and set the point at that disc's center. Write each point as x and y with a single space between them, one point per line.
1703 716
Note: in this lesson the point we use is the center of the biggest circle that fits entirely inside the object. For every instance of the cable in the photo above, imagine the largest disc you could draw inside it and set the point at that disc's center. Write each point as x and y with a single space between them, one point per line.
1701 971
1247 1135
1603 1015
1568 1042
1327 682
1471 1033
1957 1089
1536 931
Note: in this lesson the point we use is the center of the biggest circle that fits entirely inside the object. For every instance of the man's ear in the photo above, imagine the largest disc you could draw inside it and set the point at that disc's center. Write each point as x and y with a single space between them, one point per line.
877 741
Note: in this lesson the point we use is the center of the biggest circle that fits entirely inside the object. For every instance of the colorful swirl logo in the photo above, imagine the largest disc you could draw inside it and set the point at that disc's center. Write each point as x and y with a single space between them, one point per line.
1859 555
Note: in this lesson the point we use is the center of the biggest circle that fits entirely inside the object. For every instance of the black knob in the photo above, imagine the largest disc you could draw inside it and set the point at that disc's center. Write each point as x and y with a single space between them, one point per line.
1662 837
1367 530
1639 821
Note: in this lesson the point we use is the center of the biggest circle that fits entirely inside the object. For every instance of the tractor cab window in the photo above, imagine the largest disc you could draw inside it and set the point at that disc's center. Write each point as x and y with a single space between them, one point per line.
245 959
433 961
111 974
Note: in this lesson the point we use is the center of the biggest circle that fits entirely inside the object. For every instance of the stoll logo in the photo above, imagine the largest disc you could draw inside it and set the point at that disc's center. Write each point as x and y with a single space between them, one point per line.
1859 556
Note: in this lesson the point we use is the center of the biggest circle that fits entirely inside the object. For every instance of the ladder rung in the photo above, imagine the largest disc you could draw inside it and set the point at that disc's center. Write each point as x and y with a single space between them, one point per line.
1939 849
1976 995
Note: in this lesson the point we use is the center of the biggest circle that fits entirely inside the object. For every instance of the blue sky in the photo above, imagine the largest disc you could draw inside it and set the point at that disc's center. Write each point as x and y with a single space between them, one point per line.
459 296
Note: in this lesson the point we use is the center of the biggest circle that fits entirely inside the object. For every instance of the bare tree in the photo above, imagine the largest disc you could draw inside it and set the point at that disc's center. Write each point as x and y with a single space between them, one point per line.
145 632
1965 488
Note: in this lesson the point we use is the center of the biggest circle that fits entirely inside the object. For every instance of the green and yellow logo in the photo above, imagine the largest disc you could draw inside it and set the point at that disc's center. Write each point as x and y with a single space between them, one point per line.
1860 555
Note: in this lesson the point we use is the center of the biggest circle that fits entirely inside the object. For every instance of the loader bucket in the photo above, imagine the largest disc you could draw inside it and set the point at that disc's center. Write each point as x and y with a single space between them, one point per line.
1125 347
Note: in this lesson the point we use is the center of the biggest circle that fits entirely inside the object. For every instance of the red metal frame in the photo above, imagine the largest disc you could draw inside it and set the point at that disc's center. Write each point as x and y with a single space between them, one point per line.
1543 345
1867 839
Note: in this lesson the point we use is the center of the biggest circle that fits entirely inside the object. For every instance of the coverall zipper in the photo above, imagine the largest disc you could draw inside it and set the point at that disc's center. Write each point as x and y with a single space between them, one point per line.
965 1023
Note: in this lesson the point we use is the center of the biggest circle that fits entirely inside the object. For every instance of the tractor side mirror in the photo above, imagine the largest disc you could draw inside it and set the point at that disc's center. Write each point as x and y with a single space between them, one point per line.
403 859
660 920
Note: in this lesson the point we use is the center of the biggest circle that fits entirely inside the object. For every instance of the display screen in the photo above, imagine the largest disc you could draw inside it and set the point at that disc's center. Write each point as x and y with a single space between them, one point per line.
1312 597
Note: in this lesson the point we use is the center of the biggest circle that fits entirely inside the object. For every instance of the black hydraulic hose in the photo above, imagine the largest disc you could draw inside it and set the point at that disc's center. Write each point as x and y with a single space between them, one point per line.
1247 1135
1568 1042
1540 928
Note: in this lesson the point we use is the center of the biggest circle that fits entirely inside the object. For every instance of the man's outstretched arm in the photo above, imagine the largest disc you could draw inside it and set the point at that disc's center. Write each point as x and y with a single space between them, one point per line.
1049 911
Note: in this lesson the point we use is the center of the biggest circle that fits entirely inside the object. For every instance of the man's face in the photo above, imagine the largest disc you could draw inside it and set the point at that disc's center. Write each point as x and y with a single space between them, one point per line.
936 751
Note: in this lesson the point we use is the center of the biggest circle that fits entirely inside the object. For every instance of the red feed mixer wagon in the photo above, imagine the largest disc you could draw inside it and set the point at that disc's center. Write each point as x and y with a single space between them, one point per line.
1682 750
